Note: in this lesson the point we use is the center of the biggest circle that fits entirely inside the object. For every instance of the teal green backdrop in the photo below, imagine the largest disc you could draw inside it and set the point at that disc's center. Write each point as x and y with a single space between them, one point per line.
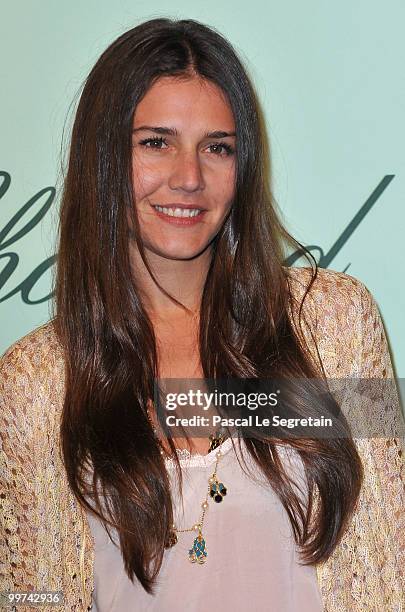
330 80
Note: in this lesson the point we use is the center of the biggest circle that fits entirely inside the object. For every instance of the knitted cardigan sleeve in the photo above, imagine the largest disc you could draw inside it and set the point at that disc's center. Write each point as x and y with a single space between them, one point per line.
366 571
31 536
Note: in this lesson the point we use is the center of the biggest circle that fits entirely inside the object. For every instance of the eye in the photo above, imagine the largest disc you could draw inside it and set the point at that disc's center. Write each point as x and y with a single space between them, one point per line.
153 141
222 148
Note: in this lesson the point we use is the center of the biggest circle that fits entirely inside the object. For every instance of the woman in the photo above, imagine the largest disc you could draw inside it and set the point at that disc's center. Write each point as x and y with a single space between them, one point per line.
170 266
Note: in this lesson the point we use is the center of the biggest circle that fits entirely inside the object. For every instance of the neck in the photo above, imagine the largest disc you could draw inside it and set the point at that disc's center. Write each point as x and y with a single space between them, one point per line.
182 279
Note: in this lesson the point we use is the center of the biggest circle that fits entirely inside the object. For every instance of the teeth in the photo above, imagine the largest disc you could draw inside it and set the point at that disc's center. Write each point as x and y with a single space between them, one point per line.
178 212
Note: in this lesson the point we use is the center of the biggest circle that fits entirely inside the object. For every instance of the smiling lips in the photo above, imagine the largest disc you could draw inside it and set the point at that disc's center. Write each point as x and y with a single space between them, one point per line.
178 212
179 215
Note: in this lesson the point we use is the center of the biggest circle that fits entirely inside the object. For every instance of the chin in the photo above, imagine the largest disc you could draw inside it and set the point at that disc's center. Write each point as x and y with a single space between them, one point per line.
181 252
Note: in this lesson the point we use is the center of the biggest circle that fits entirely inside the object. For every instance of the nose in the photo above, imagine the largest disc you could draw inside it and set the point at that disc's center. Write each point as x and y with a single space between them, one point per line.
186 172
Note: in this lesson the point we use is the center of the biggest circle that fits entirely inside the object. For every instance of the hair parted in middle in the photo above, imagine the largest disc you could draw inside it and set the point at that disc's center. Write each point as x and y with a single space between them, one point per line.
245 326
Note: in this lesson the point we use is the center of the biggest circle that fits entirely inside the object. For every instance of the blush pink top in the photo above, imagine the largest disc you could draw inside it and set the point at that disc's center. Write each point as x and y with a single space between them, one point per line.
252 561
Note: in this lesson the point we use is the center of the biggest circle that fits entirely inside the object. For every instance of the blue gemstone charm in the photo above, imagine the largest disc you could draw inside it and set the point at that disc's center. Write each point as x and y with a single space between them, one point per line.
217 491
198 553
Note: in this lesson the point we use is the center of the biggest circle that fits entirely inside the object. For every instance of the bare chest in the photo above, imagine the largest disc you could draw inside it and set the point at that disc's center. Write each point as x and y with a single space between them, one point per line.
178 351
178 357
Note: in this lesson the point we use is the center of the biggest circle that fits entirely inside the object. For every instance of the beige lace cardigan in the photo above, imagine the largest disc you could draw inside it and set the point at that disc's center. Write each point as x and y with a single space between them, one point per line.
45 540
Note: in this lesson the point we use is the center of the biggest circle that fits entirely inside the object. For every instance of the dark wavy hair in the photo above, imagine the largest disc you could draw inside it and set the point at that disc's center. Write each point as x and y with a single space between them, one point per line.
245 329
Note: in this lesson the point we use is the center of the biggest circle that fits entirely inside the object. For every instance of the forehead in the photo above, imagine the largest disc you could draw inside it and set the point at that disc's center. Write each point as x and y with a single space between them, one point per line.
194 101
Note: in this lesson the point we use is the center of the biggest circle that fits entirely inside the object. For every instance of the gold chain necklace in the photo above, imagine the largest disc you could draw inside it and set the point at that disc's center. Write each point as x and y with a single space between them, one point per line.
216 490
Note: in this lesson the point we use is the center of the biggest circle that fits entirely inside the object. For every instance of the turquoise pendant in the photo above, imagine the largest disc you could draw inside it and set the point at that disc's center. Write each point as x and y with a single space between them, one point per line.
217 491
198 553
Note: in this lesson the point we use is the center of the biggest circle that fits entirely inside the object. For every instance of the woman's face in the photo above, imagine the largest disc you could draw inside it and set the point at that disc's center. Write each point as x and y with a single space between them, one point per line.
183 158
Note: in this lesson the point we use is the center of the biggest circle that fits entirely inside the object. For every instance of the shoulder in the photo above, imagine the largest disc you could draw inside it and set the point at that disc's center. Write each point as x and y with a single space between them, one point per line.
32 372
337 287
339 313
36 352
333 296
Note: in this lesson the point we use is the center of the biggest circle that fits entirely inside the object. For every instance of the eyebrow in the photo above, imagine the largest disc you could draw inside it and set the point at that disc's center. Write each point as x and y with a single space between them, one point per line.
173 132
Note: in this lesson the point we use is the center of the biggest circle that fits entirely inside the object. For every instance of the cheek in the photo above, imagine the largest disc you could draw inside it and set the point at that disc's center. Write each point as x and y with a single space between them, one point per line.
225 188
146 178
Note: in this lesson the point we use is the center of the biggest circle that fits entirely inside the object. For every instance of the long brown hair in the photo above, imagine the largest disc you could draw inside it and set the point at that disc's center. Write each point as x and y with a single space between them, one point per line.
245 330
